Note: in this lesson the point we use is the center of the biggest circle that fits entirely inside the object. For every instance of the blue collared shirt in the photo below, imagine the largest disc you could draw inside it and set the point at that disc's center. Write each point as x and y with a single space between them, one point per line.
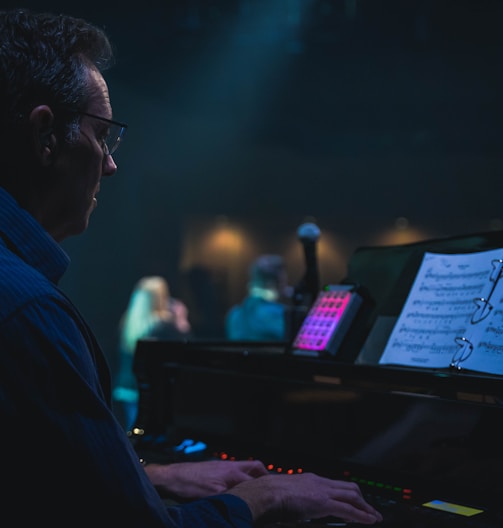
65 458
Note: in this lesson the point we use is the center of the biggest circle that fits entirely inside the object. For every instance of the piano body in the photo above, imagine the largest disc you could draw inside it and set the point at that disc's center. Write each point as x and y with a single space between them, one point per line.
426 446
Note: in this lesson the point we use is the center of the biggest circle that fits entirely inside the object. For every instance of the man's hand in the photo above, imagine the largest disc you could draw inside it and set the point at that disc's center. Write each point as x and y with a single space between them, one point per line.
305 496
194 480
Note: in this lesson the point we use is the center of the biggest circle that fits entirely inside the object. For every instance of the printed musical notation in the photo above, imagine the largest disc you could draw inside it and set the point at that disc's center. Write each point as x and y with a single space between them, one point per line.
453 315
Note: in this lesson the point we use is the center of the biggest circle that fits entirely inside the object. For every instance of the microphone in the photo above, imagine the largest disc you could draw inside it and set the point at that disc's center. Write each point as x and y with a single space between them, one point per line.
308 289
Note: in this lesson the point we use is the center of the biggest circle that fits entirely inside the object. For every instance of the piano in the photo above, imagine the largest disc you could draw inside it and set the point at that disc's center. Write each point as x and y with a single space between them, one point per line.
425 445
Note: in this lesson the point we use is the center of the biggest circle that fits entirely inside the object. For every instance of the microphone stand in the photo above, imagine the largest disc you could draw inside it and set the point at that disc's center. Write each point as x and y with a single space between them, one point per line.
307 289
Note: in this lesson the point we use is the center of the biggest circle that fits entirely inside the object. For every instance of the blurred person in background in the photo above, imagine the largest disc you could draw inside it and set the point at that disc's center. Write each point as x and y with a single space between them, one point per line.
151 313
261 315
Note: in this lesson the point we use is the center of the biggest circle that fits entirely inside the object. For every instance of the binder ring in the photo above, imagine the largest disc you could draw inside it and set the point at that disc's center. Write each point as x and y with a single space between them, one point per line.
497 269
463 353
484 308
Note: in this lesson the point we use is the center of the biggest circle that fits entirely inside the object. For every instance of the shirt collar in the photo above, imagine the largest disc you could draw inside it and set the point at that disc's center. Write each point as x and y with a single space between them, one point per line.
28 239
263 293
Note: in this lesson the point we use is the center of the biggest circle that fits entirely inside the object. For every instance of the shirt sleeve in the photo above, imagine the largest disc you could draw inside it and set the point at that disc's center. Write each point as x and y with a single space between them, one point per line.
218 511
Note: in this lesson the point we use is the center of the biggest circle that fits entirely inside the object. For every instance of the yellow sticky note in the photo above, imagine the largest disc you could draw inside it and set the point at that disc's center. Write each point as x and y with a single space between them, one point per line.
466 511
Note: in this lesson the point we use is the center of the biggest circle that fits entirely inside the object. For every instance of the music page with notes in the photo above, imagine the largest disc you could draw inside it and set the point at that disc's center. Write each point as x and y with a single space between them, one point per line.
453 315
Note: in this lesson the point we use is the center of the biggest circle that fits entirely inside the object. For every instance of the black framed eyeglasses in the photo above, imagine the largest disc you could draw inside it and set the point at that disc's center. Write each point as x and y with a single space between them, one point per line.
115 134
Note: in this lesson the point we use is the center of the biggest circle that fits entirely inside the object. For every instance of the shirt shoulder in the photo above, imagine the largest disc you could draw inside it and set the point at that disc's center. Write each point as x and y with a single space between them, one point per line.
21 284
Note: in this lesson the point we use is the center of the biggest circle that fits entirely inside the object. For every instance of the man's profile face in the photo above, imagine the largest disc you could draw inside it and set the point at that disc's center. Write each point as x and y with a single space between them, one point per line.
79 167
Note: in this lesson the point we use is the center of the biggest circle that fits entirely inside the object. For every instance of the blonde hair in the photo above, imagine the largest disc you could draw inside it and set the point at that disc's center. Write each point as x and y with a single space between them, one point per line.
148 304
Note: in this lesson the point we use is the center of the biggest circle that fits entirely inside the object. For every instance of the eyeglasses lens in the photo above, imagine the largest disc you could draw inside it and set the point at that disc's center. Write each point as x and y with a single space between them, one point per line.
114 138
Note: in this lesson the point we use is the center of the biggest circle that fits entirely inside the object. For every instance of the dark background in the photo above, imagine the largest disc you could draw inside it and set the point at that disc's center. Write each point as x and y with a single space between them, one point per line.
262 114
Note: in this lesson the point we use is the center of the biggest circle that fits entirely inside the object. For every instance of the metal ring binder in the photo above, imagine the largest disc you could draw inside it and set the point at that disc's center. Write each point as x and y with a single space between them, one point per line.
484 308
463 353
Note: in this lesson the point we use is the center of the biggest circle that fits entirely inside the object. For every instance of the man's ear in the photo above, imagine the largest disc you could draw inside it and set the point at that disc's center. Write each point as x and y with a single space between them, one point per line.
43 138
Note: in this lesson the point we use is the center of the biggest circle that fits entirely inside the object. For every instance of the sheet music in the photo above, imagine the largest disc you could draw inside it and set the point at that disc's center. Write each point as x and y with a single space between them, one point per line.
436 327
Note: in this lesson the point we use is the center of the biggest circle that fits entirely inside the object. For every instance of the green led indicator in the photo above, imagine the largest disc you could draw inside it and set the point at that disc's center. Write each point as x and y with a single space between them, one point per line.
380 485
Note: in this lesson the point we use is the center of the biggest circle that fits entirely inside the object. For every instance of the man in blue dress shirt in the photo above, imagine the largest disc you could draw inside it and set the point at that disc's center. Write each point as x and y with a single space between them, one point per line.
65 458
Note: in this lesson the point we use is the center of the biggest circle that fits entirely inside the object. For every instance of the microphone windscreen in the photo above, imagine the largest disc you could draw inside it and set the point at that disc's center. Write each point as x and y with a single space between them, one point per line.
309 232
